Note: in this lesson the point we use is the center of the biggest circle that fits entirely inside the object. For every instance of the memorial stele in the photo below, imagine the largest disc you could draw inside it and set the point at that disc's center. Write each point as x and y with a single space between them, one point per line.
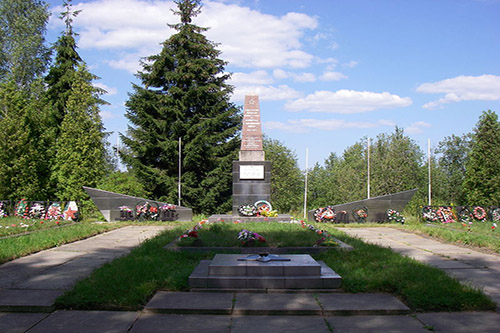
251 173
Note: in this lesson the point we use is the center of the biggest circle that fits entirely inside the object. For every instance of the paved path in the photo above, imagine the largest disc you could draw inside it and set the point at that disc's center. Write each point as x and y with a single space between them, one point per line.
480 269
32 283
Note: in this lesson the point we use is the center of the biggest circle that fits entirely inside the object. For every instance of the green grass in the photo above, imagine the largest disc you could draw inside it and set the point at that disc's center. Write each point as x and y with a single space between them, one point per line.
370 268
15 225
129 282
478 234
16 247
226 235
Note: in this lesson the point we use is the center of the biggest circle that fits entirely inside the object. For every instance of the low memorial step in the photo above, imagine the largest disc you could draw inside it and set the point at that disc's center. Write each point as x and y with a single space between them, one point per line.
232 271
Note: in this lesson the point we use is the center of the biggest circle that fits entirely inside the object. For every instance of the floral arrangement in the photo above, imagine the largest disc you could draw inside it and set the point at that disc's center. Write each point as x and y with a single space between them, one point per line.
272 213
479 213
263 206
22 208
3 210
429 214
360 214
493 227
395 216
36 211
446 215
54 212
146 211
495 214
167 207
247 210
248 238
464 215
325 214
325 240
193 232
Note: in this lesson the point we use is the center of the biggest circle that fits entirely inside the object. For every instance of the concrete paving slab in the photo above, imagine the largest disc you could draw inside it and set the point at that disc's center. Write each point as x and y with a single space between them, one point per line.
361 304
276 304
178 323
382 324
458 322
19 322
191 302
444 263
86 321
278 324
28 300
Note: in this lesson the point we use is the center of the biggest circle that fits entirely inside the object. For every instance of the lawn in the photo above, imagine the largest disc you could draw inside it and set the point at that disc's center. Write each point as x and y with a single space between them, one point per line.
478 234
15 225
264 234
129 282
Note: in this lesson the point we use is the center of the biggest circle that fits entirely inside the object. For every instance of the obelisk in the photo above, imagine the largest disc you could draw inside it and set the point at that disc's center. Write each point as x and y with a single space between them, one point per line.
252 173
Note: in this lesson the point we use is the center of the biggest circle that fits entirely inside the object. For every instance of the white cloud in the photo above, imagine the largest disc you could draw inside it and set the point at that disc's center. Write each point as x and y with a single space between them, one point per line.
266 93
350 64
305 125
297 77
417 127
254 78
347 101
109 90
105 114
462 88
247 37
332 76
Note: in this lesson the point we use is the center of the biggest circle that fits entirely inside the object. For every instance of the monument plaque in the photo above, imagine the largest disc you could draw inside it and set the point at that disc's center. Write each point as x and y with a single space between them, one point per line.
251 134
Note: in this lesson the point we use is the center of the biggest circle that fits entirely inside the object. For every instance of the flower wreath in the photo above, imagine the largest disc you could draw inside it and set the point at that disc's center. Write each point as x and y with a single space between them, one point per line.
446 215
54 211
395 216
36 211
360 214
495 214
479 213
429 214
146 211
464 215
247 210
325 214
22 208
263 205
3 210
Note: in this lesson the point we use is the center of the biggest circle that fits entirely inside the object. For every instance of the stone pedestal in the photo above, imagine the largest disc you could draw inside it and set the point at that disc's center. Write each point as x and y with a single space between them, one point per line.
251 182
301 272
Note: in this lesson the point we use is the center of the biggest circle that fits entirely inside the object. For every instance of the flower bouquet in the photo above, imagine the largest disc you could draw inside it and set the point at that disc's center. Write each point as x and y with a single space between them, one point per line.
395 216
248 238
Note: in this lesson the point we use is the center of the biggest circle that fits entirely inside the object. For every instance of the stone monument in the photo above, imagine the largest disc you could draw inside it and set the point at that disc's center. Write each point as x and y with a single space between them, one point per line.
251 173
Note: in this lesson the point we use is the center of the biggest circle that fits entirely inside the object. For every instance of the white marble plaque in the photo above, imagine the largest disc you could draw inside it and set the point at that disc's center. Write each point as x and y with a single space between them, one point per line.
251 172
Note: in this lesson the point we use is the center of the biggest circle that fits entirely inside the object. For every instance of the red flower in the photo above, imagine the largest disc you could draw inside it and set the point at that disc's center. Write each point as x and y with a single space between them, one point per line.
193 234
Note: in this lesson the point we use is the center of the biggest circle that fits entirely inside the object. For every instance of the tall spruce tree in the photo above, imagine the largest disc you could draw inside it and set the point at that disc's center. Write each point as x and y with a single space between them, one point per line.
482 176
61 74
81 154
184 95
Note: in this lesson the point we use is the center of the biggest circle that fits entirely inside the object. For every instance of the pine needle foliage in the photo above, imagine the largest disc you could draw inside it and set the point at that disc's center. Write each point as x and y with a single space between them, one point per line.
184 95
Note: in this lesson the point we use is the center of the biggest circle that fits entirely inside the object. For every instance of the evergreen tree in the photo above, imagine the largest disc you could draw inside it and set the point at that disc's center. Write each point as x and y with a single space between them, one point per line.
396 164
184 95
287 181
24 141
454 152
81 153
23 53
61 73
482 176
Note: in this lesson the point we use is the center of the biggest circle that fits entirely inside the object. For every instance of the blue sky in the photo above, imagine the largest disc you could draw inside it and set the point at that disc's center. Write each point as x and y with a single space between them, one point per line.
328 72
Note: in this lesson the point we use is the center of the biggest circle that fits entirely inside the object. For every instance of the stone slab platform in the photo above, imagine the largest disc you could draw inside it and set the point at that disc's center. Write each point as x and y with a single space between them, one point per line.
225 272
